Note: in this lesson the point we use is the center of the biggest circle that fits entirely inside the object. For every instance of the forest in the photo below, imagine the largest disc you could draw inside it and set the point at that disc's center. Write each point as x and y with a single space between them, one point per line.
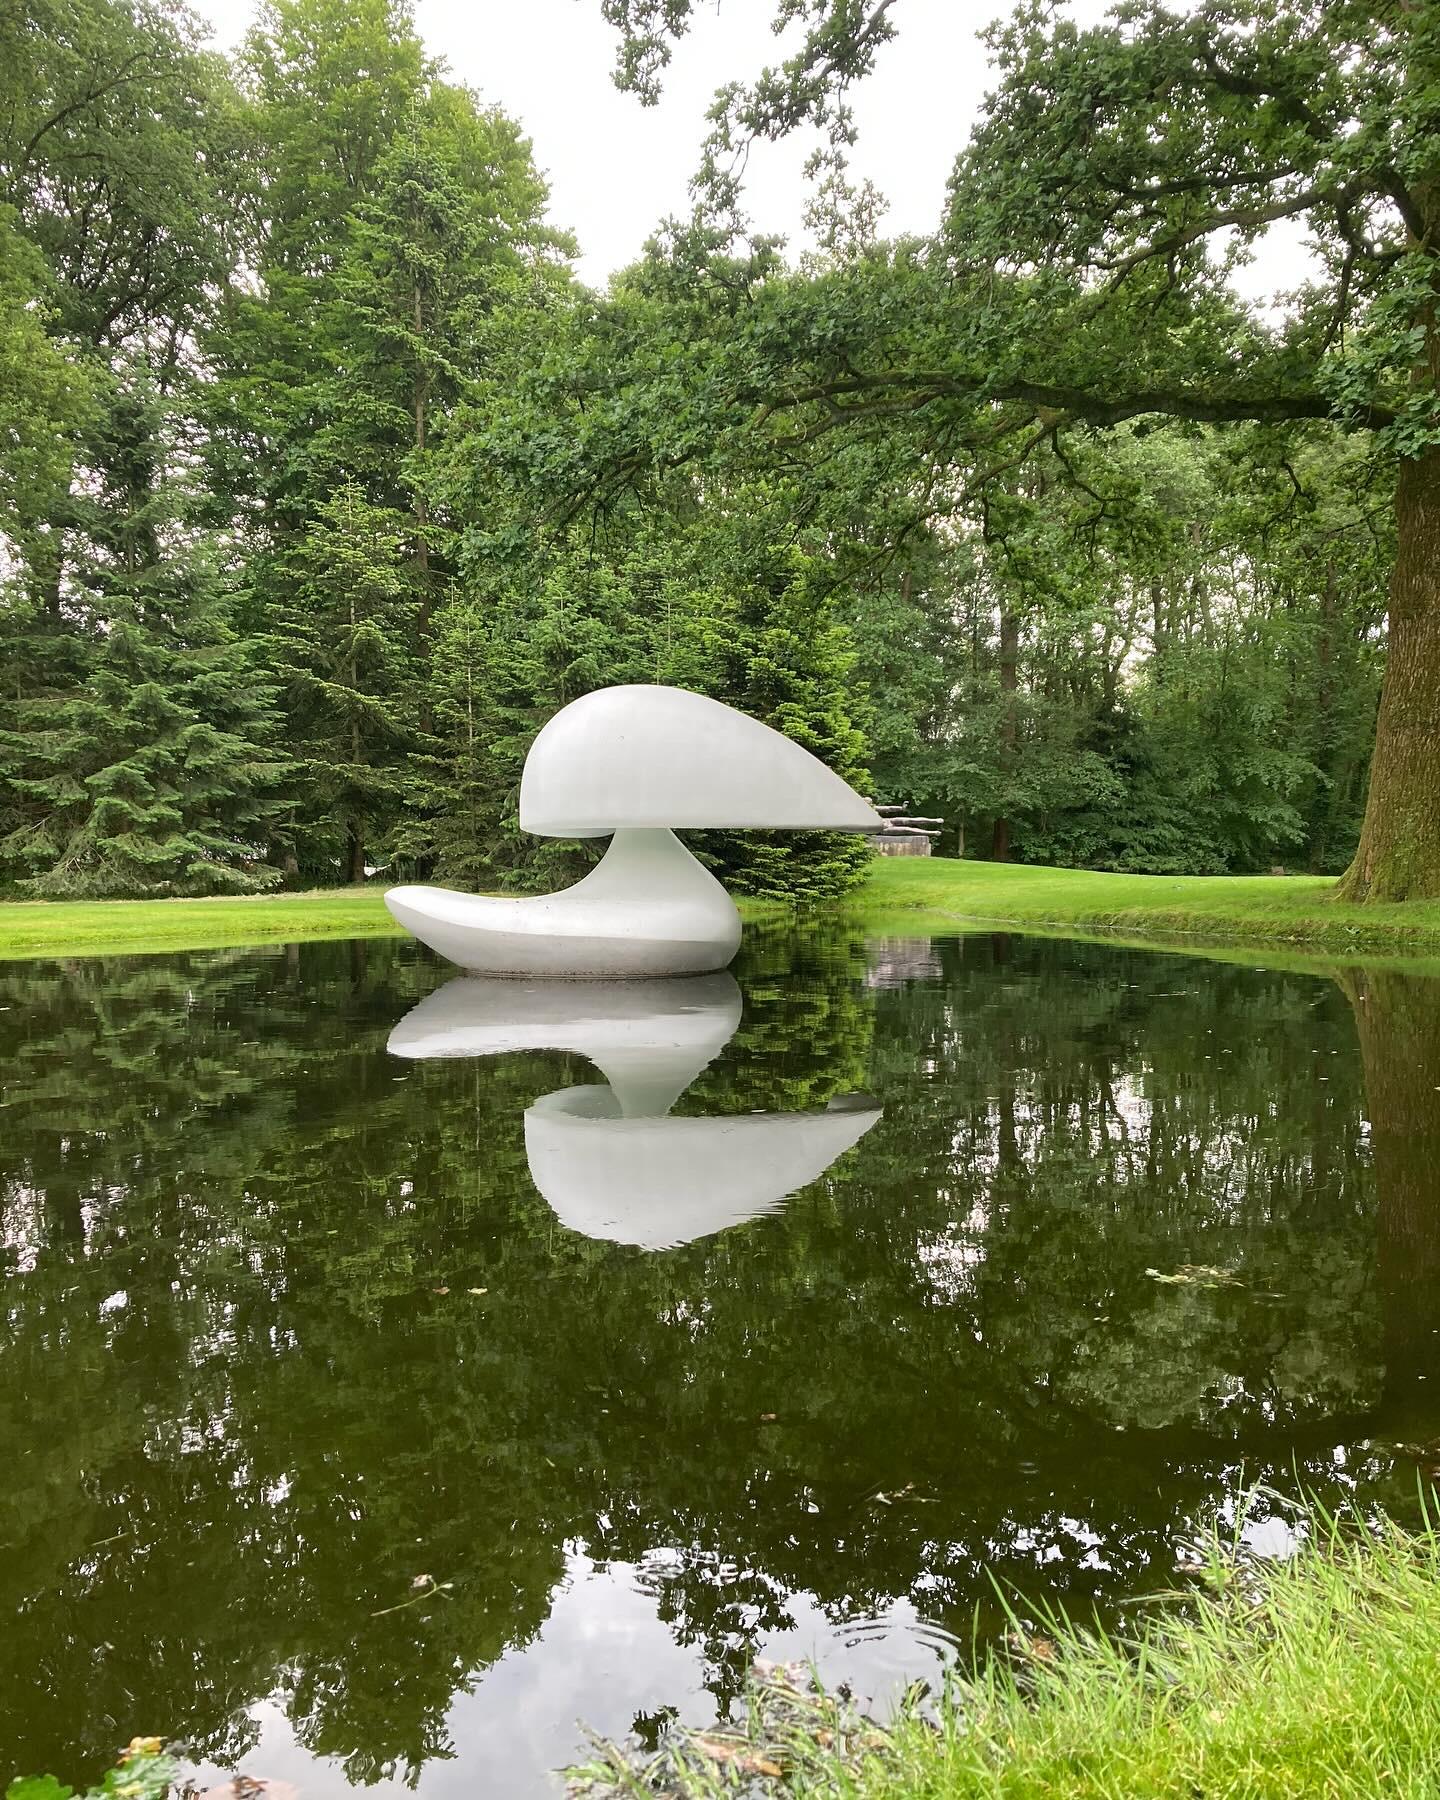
324 481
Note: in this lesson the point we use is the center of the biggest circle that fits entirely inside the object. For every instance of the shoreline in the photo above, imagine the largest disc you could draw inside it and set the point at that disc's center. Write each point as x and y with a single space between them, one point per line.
1312 1673
1219 915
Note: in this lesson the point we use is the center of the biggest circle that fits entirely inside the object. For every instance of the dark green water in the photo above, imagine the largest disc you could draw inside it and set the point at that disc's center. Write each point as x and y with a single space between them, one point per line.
238 1421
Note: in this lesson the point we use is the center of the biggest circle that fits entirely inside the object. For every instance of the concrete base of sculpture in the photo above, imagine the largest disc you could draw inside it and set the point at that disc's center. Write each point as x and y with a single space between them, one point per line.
647 908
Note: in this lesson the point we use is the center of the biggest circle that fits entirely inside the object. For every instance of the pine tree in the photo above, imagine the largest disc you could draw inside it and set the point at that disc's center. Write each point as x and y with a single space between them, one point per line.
782 654
157 775
450 830
344 652
148 766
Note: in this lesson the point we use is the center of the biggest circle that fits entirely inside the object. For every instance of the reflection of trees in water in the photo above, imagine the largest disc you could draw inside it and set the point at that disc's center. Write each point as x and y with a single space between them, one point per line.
242 1420
1397 1021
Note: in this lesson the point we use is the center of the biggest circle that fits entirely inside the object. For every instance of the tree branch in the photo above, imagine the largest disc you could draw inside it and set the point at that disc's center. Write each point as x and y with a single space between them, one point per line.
1057 397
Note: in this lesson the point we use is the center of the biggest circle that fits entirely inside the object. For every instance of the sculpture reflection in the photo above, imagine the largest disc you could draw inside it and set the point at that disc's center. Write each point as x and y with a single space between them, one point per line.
609 1158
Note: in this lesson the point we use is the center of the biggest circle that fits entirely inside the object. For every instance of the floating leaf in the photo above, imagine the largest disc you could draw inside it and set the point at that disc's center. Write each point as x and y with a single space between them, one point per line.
1197 1275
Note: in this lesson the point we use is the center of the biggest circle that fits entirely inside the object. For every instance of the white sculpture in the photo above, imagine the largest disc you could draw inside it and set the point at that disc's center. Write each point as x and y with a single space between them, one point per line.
608 1158
637 762
656 1183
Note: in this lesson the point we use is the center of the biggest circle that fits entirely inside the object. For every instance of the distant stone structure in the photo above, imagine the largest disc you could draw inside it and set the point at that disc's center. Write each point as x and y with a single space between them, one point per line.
902 835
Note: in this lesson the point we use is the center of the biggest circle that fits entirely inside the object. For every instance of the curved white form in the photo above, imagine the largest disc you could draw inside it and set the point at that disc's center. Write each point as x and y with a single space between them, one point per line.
636 761
656 1183
610 1160
661 756
646 908
649 1039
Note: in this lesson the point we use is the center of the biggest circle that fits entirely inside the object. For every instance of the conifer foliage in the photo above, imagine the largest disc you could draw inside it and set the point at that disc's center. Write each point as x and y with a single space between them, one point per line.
324 483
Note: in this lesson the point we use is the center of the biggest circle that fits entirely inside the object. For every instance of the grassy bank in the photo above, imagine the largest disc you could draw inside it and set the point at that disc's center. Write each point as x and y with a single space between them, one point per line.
916 894
114 927
901 895
1316 1676
138 927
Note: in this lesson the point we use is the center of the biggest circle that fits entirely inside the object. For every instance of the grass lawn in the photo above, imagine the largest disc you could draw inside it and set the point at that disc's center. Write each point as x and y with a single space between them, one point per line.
113 927
901 895
136 927
916 893
1312 1676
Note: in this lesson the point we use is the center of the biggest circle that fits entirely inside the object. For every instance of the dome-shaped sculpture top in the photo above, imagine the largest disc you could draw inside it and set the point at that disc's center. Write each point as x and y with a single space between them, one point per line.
646 756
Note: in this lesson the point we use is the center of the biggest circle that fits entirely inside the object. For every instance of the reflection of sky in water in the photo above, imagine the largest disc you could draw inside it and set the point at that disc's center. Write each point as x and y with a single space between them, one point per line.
279 1306
603 1656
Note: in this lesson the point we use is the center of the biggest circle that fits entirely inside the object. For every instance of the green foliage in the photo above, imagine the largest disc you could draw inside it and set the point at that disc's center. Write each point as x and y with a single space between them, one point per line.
144 1772
1261 1680
343 650
294 364
783 655
1045 1143
157 774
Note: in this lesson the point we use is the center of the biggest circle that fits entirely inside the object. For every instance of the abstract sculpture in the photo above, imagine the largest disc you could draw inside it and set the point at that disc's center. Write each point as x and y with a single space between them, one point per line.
609 1159
635 764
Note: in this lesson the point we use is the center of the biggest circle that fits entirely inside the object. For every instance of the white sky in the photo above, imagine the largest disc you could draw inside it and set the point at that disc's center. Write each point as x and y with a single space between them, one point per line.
616 168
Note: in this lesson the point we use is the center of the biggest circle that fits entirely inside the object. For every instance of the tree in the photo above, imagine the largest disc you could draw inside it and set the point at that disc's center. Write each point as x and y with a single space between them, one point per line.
1079 280
779 651
448 237
147 764
117 137
344 648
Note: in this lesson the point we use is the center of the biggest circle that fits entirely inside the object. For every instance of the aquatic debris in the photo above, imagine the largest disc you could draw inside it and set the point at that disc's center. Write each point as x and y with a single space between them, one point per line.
791 1727
245 1787
1197 1275
423 1587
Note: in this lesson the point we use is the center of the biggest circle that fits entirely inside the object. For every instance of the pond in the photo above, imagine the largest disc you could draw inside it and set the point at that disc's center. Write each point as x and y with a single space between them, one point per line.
375 1408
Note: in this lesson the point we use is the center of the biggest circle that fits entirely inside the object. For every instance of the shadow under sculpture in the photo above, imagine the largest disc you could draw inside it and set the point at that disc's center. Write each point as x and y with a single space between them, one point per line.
636 763
609 1159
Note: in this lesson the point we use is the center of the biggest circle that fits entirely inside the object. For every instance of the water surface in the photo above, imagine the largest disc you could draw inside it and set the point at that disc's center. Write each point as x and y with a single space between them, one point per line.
1116 1234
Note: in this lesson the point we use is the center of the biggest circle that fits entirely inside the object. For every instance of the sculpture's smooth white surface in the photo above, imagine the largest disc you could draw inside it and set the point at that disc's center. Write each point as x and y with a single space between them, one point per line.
649 1039
647 908
635 761
656 1183
609 1159
661 756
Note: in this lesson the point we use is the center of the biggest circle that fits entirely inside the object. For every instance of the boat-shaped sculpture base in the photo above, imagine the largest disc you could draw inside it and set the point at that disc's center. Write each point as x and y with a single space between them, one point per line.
647 908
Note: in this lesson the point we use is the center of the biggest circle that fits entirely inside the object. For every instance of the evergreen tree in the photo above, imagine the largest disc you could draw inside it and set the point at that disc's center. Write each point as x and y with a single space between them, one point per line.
443 241
344 650
784 656
451 829
158 774
148 765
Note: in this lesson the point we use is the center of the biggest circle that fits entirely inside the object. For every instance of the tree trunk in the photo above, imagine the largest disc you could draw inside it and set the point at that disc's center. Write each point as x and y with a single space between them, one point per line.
1397 1019
1009 724
1398 857
354 853
1322 805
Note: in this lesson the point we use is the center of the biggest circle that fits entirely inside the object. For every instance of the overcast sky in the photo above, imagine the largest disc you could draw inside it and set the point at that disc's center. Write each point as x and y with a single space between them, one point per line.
616 168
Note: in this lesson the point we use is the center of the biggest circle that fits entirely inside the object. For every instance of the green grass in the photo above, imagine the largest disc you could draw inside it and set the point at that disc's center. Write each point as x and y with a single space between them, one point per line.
112 927
916 894
1315 1676
139 927
901 895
